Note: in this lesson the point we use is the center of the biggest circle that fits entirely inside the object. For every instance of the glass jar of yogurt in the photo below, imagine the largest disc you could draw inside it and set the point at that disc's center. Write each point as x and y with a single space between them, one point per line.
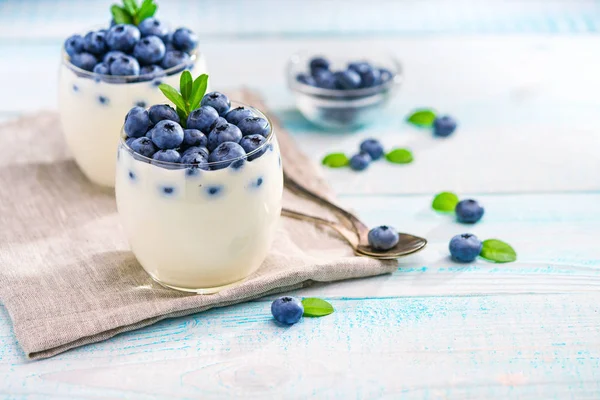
92 107
200 230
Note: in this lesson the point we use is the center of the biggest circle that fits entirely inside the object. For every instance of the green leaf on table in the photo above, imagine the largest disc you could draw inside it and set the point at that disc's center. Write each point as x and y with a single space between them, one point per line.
146 10
172 94
445 202
198 90
185 85
314 307
497 251
422 118
130 6
336 160
120 15
399 156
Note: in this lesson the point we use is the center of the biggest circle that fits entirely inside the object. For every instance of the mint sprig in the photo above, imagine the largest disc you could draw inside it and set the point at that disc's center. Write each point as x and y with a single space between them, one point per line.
497 251
132 13
315 307
189 96
422 118
445 202
399 156
335 160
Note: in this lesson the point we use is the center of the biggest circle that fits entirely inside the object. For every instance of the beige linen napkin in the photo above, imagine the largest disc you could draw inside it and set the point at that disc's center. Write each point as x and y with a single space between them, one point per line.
67 277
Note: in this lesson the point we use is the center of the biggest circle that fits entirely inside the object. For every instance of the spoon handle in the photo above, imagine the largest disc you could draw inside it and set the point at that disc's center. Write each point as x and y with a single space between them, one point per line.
361 229
348 235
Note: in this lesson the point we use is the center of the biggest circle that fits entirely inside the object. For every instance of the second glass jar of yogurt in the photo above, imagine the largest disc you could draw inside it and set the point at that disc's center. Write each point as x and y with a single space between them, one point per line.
201 228
106 72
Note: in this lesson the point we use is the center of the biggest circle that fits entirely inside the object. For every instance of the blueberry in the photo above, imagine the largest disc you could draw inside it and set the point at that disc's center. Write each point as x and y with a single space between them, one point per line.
125 66
123 37
174 58
383 237
287 310
151 70
325 79
444 126
161 112
468 211
170 156
369 78
202 118
225 154
235 115
74 45
95 43
149 50
218 122
143 146
152 26
196 159
347 79
184 39
360 67
360 161
318 63
254 126
84 61
137 122
465 247
102 69
222 134
167 135
193 137
112 56
372 147
197 149
218 101
385 75
306 79
129 141
252 142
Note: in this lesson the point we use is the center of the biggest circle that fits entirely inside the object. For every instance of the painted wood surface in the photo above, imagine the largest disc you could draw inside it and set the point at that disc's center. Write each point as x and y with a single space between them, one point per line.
433 329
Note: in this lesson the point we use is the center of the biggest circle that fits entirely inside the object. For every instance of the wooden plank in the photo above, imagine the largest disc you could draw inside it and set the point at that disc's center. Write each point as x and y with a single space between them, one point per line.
493 347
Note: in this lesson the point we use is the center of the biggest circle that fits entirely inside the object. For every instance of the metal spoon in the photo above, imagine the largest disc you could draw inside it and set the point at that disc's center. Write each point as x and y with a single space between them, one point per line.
407 244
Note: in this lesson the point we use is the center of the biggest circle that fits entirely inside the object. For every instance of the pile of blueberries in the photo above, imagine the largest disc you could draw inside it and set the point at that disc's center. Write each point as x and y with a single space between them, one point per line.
129 50
214 133
359 74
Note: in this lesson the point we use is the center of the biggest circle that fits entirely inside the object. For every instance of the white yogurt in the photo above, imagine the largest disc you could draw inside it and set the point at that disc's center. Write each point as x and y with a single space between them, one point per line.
200 232
92 113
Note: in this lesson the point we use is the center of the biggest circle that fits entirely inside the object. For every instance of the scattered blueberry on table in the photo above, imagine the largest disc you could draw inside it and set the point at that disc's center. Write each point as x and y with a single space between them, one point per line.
465 247
444 126
136 44
357 75
287 310
193 133
360 161
383 237
369 150
468 211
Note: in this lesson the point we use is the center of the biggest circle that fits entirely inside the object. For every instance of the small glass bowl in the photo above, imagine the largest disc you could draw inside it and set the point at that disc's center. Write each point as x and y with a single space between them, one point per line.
343 109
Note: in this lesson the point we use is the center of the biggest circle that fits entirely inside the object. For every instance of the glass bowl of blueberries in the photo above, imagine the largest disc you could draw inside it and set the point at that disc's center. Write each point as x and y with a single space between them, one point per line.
343 93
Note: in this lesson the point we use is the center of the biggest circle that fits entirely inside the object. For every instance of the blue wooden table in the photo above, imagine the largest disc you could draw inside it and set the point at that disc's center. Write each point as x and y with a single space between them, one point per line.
522 78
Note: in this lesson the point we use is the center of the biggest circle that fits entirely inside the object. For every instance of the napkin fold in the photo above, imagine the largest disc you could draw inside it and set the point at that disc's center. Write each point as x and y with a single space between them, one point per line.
67 276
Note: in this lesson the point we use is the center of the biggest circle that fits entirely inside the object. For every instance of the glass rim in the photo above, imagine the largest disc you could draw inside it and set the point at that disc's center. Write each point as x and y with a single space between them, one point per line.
269 139
340 94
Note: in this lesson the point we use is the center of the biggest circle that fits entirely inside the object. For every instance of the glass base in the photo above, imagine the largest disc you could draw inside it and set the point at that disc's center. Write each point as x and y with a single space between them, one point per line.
210 290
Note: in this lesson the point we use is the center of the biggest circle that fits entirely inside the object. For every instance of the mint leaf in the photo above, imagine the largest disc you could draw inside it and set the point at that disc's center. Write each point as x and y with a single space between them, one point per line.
182 116
172 94
399 156
422 118
314 307
335 160
120 15
445 202
185 85
147 10
198 90
130 6
498 251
